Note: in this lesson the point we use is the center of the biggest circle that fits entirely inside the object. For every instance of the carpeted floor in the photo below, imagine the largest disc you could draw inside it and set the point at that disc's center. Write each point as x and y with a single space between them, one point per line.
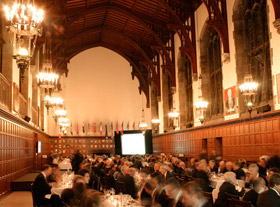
16 199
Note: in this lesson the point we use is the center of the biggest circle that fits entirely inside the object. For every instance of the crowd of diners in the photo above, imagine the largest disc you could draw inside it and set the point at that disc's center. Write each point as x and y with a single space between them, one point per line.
162 181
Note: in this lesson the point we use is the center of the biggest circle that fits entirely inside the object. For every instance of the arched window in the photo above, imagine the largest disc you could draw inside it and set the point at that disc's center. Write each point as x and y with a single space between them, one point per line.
211 72
252 47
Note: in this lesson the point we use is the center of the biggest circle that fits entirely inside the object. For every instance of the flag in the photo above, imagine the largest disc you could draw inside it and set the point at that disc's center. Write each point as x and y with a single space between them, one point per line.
71 130
94 127
139 125
134 125
100 128
128 125
88 129
106 131
122 128
117 127
84 128
112 130
77 128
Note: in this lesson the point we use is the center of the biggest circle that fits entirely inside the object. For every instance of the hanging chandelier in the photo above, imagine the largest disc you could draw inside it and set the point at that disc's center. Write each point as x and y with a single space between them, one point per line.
143 125
249 91
53 101
24 22
201 108
24 19
60 113
47 78
156 123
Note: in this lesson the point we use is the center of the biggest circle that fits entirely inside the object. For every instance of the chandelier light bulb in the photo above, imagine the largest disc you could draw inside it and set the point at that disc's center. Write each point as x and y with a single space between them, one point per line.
173 114
60 112
201 105
155 121
23 51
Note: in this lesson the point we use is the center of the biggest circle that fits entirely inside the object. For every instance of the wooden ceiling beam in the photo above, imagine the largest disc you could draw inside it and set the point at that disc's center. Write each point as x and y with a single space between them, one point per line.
114 32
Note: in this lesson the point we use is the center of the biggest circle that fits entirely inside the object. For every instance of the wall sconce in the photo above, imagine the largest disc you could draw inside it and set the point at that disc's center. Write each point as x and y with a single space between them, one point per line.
156 123
201 108
174 118
249 91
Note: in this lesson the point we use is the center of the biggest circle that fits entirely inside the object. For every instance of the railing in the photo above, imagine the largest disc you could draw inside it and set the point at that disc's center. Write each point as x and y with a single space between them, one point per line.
5 92
35 116
22 105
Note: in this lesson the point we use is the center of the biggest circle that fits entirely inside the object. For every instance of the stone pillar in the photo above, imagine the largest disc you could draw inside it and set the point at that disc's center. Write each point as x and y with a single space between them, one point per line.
182 89
165 101
154 107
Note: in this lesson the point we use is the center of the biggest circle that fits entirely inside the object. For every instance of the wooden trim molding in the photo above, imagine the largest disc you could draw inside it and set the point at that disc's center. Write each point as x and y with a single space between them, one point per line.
224 123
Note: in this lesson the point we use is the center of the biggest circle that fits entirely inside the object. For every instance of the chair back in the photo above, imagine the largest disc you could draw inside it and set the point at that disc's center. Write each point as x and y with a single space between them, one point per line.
209 198
120 187
33 197
239 203
230 196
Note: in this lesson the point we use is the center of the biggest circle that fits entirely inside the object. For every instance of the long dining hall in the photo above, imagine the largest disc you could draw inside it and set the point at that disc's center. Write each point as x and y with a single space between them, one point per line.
140 103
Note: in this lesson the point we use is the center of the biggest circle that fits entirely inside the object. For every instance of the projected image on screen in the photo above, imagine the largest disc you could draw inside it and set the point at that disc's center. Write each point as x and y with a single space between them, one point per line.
133 144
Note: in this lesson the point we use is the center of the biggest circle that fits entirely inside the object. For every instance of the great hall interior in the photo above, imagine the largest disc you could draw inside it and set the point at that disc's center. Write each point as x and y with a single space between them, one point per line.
196 76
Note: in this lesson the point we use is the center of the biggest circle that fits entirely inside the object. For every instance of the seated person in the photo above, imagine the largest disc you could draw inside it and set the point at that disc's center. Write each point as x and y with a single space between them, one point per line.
258 187
222 167
41 187
271 197
229 167
192 195
201 175
240 174
86 175
91 198
227 187
253 174
159 196
79 186
128 181
68 198
213 167
173 191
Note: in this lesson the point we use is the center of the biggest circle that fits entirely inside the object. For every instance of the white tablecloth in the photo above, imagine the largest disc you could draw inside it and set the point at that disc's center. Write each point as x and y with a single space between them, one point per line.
218 181
59 188
65 166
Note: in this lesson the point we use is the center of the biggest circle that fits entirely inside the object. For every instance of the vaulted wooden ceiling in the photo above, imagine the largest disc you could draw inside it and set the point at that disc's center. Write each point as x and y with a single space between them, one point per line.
138 30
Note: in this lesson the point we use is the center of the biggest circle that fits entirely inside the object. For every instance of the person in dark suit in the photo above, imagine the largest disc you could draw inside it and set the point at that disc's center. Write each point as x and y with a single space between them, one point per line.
258 187
41 186
240 174
128 181
227 187
173 191
200 174
271 197
213 167
164 171
222 167
192 195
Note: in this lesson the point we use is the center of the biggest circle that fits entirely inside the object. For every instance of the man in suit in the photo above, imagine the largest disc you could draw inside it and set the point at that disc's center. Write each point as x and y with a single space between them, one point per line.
253 194
128 181
173 191
192 195
41 186
271 197
240 174
164 171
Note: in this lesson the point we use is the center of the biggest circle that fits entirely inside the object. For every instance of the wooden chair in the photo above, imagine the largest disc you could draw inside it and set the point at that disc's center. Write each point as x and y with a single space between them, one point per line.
230 196
32 193
239 203
120 187
209 198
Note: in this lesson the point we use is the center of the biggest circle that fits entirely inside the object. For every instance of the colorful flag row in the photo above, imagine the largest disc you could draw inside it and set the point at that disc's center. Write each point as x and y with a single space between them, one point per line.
88 129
